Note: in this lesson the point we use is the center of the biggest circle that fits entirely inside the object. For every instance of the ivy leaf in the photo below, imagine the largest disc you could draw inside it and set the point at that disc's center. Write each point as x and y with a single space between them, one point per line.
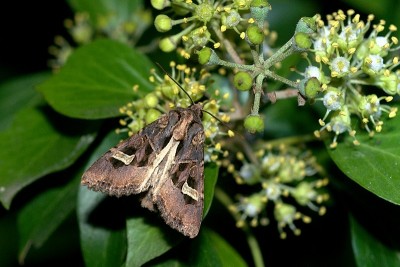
102 244
42 215
210 179
36 144
210 249
369 251
97 80
147 240
19 93
375 163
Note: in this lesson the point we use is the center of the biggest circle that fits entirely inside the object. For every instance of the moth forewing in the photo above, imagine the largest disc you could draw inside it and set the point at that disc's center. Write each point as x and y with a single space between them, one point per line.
164 161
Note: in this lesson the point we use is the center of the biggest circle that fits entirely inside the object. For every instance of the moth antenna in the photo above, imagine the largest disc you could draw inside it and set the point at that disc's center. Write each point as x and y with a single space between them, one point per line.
175 81
180 86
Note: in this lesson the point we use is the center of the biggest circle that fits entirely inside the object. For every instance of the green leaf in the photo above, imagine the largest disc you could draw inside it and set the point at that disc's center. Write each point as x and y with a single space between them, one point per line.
210 179
36 144
375 163
369 251
122 9
42 215
147 240
170 263
18 93
102 244
210 249
97 80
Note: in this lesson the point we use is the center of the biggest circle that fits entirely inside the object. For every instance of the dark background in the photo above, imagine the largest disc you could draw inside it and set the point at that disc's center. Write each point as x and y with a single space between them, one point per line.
28 29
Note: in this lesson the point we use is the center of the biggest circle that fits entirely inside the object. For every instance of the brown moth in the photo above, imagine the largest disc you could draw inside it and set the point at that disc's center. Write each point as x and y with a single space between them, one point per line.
165 163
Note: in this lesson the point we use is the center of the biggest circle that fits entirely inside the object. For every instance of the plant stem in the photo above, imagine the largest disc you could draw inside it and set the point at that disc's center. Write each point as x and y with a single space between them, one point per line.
277 56
257 94
228 46
235 65
251 240
274 76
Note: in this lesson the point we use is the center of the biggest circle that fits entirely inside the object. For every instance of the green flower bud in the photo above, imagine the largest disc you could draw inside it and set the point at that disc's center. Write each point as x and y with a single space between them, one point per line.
388 83
254 123
152 115
200 37
310 87
254 35
167 44
250 174
160 4
304 193
259 11
82 34
204 55
163 23
284 213
242 81
302 41
204 11
306 25
232 19
151 100
260 3
136 125
168 91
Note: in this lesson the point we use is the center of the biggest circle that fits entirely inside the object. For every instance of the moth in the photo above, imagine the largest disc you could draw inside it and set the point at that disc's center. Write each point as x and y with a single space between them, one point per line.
164 163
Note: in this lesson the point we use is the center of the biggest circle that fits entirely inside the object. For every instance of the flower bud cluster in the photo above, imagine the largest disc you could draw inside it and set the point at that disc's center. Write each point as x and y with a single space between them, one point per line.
203 21
352 55
285 178
168 95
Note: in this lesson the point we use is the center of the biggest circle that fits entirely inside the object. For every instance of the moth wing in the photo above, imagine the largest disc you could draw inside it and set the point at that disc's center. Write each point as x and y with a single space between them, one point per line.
114 177
180 199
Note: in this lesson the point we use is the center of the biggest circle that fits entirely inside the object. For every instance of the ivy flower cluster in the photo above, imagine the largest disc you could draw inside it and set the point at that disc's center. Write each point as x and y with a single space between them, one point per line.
204 22
287 179
168 95
353 55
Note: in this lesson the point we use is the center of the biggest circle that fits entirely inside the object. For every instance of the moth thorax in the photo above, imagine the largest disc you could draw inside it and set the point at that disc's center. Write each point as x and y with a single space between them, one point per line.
183 125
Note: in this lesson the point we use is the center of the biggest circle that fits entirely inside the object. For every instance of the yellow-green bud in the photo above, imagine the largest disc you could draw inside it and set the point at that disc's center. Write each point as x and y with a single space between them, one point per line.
242 81
136 125
303 193
312 87
388 83
254 123
167 44
168 91
163 23
204 55
204 11
152 115
151 100
254 35
302 41
160 4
